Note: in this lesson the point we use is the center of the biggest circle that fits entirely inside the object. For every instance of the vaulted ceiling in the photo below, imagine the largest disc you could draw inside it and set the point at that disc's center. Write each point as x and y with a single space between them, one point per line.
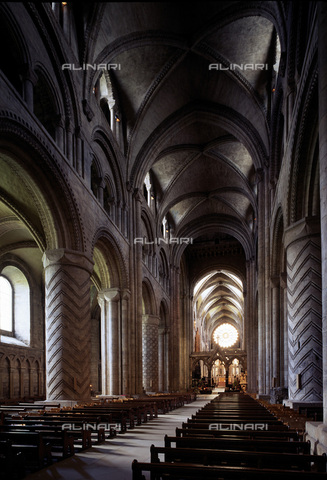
201 131
196 122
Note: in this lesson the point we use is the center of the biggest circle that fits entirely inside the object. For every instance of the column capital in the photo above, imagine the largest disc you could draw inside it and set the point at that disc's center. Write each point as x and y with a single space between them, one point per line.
125 294
250 262
29 74
283 280
138 195
275 281
259 175
148 319
305 227
62 256
109 294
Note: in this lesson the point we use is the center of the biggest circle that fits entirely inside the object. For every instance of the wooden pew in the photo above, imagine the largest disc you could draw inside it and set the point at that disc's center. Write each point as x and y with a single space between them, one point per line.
257 445
80 429
193 430
284 461
125 416
12 464
36 451
89 417
184 471
205 422
61 441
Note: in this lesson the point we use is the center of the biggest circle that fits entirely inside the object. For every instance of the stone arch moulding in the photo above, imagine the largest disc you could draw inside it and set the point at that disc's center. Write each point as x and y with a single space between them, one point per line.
113 259
114 158
54 88
277 240
149 298
33 161
223 224
164 322
302 143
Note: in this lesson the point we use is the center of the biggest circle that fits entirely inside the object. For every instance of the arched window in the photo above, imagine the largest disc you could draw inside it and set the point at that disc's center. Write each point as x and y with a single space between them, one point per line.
15 310
109 201
105 97
6 305
11 55
225 335
95 179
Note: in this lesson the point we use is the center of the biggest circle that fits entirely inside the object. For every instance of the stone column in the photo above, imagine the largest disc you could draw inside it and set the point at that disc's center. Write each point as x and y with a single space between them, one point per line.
110 341
22 373
161 358
150 324
275 313
30 80
137 268
166 347
32 372
40 379
262 350
68 324
78 155
175 329
126 361
60 133
283 284
251 327
322 84
302 241
11 381
69 141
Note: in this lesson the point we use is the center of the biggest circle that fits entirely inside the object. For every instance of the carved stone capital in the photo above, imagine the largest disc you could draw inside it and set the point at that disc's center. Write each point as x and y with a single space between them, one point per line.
62 256
306 227
148 319
109 295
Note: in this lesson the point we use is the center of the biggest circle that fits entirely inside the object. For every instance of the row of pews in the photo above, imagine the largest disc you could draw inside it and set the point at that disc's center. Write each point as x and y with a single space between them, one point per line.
34 435
233 437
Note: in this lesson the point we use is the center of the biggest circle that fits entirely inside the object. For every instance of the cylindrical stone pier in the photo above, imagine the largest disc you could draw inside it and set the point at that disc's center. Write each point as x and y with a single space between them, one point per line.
150 324
304 311
68 324
110 341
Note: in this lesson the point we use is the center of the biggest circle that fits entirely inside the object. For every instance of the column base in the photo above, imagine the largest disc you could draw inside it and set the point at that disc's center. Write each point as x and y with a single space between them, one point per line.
278 394
62 403
301 406
261 396
316 432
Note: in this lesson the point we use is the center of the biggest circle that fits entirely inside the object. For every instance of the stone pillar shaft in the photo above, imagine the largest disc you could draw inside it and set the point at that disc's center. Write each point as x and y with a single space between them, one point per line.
275 298
251 327
322 85
138 295
110 341
161 359
175 329
68 324
126 361
261 288
304 311
150 324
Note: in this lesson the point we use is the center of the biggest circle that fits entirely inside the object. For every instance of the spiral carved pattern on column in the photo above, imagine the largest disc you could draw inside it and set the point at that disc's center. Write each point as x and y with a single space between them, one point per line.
304 320
68 333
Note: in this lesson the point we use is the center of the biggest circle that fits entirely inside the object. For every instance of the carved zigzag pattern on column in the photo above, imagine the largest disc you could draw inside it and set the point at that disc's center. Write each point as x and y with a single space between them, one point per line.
305 318
68 336
304 321
307 250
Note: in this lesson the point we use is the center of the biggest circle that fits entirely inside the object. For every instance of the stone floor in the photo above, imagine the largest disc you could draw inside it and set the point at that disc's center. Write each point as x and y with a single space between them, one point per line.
113 459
